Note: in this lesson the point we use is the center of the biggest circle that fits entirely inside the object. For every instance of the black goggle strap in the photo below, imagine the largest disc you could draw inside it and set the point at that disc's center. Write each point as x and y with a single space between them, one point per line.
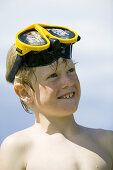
15 68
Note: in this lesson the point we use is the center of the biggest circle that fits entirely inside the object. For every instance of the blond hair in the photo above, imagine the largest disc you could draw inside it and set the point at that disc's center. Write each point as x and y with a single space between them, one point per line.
23 75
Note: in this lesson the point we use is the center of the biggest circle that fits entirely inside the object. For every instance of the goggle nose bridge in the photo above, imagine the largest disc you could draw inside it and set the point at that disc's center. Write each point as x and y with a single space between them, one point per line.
54 44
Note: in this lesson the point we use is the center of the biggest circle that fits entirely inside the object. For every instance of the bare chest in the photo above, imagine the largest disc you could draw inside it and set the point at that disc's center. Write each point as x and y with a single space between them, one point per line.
66 156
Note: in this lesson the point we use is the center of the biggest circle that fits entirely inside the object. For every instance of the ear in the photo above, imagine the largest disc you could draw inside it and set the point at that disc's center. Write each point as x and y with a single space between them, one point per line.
24 93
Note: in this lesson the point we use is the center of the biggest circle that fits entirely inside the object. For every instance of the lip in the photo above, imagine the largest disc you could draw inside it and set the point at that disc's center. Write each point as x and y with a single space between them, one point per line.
66 94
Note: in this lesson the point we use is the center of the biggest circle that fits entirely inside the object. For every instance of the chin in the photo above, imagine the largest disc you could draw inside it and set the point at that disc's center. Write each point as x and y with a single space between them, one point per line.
66 112
71 111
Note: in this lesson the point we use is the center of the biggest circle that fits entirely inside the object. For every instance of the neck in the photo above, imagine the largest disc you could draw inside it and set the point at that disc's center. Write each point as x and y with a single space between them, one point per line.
64 125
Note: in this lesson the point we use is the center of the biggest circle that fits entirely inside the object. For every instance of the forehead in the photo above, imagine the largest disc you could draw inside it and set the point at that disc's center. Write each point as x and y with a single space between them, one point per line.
61 65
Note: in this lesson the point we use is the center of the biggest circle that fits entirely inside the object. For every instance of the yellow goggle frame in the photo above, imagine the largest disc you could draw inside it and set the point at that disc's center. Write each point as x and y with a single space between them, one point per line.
25 48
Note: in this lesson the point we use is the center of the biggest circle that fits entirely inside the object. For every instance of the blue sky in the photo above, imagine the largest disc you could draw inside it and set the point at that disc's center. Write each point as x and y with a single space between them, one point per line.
92 20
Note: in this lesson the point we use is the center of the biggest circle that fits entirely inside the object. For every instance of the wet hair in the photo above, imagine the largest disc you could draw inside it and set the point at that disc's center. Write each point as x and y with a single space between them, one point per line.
24 73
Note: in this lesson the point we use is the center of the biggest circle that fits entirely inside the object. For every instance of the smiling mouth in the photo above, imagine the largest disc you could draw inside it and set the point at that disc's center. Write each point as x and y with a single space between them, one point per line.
67 96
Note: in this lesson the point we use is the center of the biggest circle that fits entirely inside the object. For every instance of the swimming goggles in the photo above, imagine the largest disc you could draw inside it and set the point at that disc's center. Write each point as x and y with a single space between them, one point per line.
41 44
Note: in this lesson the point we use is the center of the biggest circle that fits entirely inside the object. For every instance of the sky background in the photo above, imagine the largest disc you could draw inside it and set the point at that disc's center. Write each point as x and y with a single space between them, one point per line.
93 21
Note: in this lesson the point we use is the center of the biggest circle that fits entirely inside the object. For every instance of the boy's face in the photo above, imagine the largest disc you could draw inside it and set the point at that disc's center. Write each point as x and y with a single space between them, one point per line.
57 91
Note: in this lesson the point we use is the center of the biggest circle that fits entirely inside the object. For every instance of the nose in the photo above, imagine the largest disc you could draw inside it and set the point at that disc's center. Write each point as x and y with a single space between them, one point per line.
67 82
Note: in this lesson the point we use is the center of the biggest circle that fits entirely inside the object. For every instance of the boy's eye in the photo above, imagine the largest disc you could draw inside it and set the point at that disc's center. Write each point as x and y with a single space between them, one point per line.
53 75
71 70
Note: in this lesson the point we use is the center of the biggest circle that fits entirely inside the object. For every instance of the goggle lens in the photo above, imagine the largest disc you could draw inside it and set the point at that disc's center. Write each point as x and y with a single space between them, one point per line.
32 37
60 32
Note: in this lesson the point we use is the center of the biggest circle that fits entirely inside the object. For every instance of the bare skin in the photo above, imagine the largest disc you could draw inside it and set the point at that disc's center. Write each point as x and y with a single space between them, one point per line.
56 141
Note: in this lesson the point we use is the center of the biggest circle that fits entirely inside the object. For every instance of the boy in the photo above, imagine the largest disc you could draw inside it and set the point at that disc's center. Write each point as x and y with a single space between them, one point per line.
44 77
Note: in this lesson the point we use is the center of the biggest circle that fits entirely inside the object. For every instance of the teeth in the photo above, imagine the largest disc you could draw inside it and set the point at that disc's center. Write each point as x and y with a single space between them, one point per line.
68 96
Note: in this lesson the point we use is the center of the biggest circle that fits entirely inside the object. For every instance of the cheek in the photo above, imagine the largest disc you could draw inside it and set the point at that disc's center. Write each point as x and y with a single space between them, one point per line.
77 85
78 88
45 94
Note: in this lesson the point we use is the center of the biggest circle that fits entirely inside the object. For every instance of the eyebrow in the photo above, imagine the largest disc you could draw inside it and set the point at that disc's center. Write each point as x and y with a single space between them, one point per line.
55 68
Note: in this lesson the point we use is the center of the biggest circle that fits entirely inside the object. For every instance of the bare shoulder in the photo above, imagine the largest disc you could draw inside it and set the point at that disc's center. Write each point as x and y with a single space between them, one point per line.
14 148
103 137
18 140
